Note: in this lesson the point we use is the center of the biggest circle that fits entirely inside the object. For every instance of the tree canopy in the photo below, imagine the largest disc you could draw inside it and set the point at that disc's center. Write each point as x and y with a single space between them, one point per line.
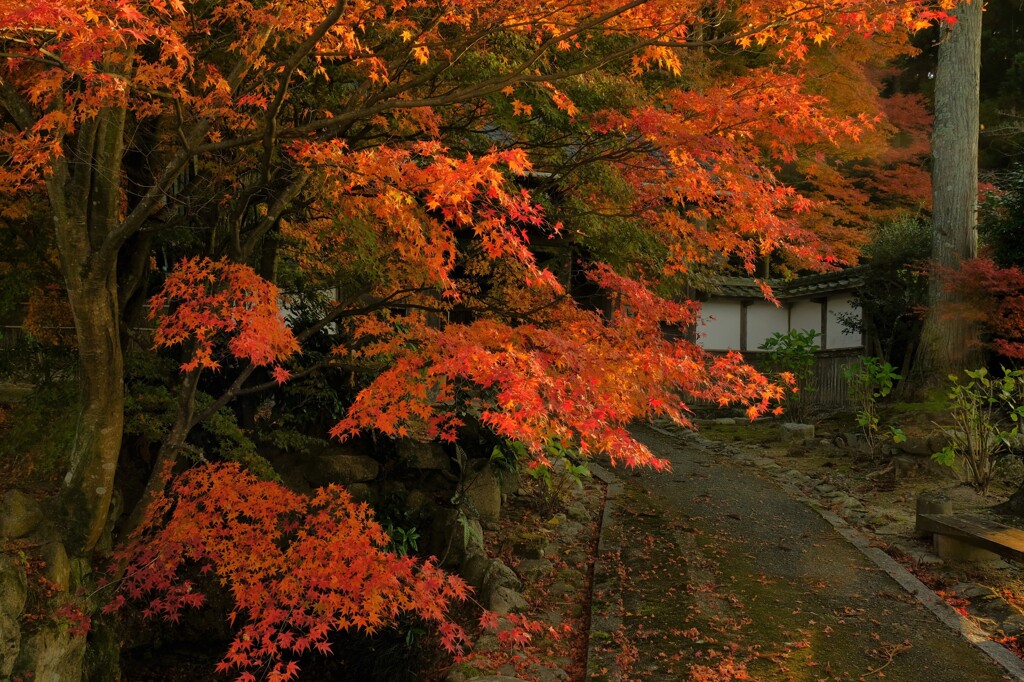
499 195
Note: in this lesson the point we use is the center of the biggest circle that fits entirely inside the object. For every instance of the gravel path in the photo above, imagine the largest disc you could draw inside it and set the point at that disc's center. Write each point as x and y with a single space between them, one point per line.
713 571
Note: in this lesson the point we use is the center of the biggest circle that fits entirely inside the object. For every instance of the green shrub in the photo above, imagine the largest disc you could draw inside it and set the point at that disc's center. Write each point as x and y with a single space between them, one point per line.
980 407
793 353
871 379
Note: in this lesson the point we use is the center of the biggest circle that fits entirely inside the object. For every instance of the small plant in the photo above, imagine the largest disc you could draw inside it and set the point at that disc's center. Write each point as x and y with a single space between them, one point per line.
794 353
563 473
979 410
870 380
403 541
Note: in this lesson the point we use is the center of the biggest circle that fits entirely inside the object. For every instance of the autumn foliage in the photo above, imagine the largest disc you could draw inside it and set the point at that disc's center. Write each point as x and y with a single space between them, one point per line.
504 199
207 302
993 297
299 569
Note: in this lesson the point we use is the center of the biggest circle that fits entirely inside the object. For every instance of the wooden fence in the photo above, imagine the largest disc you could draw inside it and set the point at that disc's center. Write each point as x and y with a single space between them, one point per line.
829 386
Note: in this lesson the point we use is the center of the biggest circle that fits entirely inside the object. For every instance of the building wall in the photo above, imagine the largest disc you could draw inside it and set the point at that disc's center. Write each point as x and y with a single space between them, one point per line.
719 328
835 338
805 315
763 320
721 322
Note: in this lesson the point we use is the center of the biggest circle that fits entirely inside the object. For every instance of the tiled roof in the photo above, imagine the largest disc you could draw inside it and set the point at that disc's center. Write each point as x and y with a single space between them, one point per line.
808 285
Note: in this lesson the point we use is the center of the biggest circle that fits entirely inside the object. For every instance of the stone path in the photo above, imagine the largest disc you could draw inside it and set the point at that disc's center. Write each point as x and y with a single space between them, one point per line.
714 571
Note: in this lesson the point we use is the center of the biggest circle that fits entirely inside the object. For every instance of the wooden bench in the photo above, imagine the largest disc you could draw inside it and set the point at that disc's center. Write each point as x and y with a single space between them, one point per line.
965 537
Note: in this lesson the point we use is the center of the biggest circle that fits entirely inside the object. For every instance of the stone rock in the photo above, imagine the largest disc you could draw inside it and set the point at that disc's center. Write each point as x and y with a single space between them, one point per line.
577 512
51 653
824 488
474 569
20 514
483 495
530 546
796 433
393 489
916 445
1012 626
544 673
532 570
848 502
10 644
58 566
417 455
561 589
724 421
487 643
417 500
570 530
940 439
339 466
500 575
509 481
13 587
507 600
360 492
911 466
974 591
454 538
80 571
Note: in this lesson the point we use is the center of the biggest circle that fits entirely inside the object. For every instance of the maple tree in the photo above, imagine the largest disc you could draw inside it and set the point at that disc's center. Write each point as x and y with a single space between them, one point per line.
991 297
381 149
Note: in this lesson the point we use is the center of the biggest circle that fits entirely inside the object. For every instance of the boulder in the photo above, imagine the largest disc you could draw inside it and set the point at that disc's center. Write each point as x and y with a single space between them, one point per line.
482 499
453 538
532 570
499 575
791 432
577 512
509 481
530 545
51 653
360 492
58 565
418 455
13 587
20 514
916 445
417 500
340 466
10 644
474 569
940 439
506 600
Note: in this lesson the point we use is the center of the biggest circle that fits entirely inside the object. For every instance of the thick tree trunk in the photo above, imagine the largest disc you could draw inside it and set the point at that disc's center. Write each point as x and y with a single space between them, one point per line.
949 343
89 483
86 201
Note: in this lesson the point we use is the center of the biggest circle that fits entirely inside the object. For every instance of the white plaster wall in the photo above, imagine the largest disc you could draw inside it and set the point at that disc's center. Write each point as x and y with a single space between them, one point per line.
763 320
836 338
719 325
805 315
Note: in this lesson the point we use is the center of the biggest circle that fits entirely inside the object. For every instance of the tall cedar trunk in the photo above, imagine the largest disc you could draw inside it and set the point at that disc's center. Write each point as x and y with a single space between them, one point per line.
86 201
949 343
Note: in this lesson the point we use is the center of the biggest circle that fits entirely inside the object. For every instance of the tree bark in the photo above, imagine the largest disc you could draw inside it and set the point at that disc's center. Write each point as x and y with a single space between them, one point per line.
85 199
949 343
